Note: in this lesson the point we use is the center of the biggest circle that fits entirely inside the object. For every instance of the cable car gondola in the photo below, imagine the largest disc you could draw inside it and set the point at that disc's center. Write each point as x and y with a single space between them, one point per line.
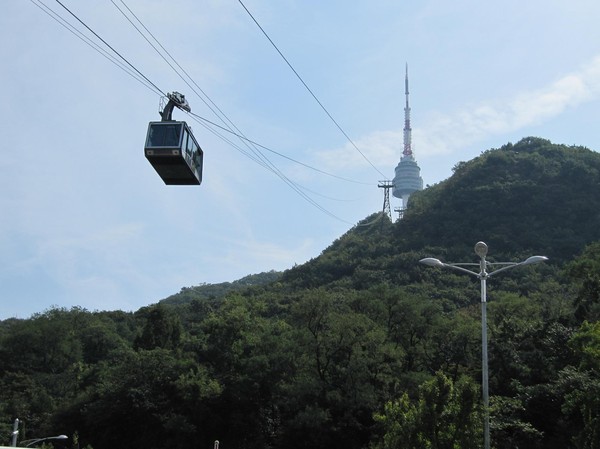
171 147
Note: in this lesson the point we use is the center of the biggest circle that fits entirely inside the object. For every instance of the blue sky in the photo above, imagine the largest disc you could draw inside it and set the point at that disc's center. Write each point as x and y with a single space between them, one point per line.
85 220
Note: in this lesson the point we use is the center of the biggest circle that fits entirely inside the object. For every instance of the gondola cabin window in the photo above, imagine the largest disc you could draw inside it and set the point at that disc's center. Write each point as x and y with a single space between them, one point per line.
164 135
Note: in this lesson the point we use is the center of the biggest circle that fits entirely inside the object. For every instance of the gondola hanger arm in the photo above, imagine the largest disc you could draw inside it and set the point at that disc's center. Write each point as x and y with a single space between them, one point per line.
175 100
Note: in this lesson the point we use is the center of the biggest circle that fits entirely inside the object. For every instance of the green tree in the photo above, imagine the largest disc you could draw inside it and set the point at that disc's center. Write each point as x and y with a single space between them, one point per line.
162 330
250 355
585 398
145 398
514 329
342 363
585 270
445 415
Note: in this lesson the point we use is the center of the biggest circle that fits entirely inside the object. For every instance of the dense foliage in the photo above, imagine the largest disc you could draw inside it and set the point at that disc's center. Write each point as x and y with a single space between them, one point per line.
360 347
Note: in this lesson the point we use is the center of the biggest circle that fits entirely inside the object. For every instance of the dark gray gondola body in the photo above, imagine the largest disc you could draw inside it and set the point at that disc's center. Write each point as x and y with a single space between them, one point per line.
174 153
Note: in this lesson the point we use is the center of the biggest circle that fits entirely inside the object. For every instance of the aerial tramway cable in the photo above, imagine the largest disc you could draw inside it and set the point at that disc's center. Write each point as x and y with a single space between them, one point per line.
254 152
256 155
157 90
73 30
254 148
338 126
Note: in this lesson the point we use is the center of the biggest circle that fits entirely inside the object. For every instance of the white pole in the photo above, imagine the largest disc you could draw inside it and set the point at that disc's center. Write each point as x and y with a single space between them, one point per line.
15 433
484 367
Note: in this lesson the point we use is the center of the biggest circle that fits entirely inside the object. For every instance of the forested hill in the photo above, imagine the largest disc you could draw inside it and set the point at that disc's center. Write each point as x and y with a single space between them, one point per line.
530 196
533 197
361 347
217 291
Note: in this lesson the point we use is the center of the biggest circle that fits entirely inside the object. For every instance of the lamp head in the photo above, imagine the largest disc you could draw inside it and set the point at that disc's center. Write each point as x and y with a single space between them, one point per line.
481 249
432 262
534 259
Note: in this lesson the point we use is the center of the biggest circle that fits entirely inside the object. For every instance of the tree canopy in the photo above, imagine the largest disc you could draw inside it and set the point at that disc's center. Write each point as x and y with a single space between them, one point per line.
360 347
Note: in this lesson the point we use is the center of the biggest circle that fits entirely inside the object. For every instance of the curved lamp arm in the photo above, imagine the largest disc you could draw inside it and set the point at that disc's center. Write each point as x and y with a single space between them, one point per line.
29 443
433 262
529 261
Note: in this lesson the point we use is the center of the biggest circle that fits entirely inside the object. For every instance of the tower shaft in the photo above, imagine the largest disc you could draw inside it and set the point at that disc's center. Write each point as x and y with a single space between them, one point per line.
408 174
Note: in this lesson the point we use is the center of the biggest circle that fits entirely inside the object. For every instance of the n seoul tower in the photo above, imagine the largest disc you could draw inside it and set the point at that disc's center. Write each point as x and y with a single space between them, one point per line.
408 174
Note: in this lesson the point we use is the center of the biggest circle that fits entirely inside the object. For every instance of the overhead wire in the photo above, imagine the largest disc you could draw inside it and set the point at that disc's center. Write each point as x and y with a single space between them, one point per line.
259 157
73 30
157 90
229 125
201 121
339 127
292 184
202 95
280 154
256 155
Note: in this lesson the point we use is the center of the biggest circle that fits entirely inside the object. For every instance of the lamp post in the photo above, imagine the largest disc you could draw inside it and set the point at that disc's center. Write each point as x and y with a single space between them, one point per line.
29 443
482 274
15 433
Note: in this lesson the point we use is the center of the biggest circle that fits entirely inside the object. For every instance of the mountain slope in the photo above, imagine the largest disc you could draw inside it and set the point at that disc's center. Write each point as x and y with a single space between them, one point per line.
530 196
533 197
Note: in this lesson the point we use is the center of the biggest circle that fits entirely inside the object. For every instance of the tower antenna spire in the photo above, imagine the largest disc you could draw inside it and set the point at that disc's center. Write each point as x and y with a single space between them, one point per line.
407 129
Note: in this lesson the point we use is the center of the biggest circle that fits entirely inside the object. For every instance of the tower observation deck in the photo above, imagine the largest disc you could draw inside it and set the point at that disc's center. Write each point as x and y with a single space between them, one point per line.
407 179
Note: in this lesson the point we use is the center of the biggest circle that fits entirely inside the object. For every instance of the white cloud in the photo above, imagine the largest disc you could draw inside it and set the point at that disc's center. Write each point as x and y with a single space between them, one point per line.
382 148
448 133
251 256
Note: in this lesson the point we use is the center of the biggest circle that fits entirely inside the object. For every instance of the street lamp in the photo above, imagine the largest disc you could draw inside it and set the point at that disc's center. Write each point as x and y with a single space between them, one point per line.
481 250
29 443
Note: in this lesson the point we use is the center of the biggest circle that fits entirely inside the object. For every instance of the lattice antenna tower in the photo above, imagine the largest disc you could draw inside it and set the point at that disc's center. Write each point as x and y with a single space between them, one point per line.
386 185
